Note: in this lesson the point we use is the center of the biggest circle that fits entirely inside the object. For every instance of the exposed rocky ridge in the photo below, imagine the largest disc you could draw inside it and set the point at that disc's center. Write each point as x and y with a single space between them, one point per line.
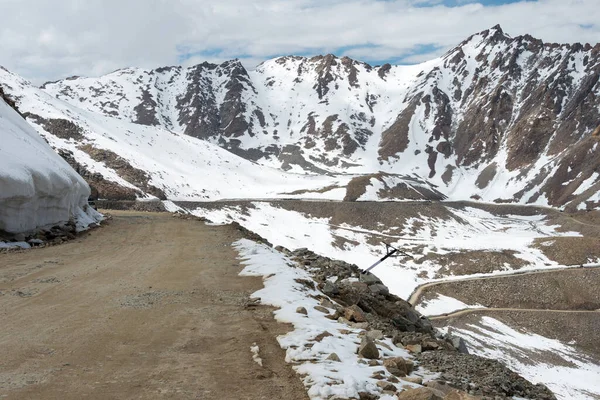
131 174
101 187
497 118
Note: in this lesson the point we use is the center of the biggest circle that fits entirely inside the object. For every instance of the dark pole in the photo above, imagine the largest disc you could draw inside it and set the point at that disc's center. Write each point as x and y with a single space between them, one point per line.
390 252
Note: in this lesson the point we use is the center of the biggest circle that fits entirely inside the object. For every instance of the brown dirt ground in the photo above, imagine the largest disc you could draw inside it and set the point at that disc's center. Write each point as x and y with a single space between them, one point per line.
570 250
573 289
146 307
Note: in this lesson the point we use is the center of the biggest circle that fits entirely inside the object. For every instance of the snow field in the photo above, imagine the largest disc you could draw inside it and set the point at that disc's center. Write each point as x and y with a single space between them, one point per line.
468 229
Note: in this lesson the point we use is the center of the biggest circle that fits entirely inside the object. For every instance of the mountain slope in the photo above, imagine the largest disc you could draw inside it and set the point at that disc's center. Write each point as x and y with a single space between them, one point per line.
496 118
123 160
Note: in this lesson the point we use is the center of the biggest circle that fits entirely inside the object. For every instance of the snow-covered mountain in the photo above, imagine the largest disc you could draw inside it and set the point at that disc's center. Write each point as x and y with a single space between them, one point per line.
123 160
496 118
37 187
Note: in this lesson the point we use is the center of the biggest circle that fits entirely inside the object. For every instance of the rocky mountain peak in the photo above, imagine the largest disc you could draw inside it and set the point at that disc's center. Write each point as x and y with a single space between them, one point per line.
495 111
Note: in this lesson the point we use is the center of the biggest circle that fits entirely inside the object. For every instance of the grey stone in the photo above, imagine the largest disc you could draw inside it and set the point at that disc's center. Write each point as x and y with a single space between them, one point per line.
379 288
355 314
420 394
367 349
459 344
321 309
375 334
301 310
368 278
330 289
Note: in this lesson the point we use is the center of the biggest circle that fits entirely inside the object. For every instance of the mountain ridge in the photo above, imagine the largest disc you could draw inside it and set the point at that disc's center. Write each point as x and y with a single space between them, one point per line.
496 118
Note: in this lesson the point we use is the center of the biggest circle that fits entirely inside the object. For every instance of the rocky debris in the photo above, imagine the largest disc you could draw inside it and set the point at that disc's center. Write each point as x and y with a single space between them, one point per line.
101 188
58 127
124 169
51 236
381 314
334 357
466 374
250 235
368 349
360 304
358 186
133 205
480 376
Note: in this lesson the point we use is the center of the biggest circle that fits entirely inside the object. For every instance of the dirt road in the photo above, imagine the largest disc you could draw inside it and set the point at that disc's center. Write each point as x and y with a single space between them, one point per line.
465 311
418 292
147 307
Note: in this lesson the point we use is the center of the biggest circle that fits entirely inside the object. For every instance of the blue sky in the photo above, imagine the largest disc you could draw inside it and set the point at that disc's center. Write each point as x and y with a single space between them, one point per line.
49 40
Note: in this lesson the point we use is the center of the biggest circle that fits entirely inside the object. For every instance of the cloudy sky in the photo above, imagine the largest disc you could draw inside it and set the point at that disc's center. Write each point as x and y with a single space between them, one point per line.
43 40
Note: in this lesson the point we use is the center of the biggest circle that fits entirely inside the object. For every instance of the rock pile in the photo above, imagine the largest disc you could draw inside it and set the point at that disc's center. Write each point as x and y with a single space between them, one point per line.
363 302
45 237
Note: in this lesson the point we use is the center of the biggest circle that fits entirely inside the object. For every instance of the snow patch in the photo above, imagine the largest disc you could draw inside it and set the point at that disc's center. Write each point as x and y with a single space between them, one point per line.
322 377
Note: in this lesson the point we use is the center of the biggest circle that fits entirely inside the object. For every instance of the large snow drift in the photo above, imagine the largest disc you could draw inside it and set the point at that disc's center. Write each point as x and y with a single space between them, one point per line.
37 187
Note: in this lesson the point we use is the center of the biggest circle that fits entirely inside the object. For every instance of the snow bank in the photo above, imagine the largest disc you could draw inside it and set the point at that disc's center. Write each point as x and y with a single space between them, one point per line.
37 187
322 376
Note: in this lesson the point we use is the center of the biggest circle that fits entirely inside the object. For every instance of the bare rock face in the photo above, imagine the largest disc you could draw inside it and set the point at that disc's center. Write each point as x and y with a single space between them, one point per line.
133 175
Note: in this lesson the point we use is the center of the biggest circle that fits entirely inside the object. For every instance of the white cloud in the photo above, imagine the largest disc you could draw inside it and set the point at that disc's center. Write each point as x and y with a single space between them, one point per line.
47 40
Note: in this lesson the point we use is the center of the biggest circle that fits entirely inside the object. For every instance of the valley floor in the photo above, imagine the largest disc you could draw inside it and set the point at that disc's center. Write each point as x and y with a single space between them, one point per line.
148 307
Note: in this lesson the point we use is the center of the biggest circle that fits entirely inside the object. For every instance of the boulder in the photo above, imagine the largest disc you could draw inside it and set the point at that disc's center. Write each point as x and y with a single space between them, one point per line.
420 394
441 386
460 395
396 366
330 289
375 334
414 348
379 288
301 310
413 379
385 385
367 349
459 344
354 314
368 278
321 309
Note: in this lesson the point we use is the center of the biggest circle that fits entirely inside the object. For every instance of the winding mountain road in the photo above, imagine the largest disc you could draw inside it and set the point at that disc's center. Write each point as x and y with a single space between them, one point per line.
483 309
416 294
